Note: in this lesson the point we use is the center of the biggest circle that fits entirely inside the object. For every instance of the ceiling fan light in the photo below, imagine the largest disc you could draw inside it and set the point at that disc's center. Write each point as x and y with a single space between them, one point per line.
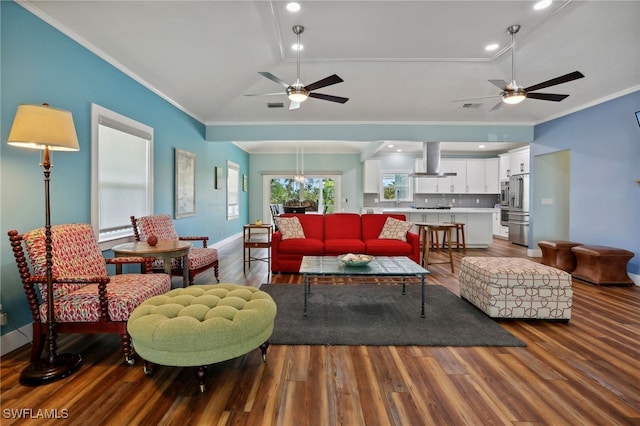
514 97
297 97
297 93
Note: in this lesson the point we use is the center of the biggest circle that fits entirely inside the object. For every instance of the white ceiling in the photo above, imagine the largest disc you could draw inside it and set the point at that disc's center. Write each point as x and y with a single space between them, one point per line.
401 61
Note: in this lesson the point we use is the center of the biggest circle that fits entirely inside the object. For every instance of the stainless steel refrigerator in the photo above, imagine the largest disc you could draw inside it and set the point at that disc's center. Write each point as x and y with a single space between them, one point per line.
519 209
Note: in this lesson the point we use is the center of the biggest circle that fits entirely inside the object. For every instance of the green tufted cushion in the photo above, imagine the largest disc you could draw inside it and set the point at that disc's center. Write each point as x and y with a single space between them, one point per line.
202 324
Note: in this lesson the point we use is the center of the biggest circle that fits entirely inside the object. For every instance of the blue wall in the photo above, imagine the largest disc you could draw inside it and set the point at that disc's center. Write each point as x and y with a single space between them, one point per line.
40 64
604 142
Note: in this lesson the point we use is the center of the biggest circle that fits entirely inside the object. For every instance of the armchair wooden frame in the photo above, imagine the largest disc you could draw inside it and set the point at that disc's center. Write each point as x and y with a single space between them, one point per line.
103 325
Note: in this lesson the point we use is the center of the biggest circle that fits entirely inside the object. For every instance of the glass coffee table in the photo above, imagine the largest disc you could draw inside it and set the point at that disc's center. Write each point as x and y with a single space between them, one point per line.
315 268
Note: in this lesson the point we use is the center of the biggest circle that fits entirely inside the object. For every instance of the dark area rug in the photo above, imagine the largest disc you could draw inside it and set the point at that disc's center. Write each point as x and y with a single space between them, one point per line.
376 315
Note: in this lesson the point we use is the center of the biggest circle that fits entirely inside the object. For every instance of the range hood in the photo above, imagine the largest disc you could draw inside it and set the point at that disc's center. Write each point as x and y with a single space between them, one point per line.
431 158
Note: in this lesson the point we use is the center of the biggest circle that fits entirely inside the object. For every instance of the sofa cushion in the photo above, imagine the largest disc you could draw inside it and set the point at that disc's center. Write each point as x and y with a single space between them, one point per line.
377 247
336 246
372 224
312 224
290 227
342 226
302 247
395 229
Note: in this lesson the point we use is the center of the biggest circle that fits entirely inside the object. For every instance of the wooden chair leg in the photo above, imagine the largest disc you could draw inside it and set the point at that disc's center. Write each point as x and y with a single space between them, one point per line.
448 233
127 349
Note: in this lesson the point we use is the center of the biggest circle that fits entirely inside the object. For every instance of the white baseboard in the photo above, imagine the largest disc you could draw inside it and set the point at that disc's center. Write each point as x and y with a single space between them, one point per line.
15 339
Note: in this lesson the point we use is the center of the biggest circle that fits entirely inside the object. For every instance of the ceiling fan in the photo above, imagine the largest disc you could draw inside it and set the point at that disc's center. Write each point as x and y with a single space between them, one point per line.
297 92
512 93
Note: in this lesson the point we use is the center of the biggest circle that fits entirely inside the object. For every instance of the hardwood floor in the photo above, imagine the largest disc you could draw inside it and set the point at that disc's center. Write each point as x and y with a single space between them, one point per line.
581 373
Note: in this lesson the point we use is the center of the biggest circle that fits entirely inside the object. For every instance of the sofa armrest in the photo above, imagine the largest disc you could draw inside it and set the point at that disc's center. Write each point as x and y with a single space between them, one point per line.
414 241
276 237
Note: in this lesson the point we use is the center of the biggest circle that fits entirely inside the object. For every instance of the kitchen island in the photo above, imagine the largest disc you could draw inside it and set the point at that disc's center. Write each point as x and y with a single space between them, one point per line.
478 221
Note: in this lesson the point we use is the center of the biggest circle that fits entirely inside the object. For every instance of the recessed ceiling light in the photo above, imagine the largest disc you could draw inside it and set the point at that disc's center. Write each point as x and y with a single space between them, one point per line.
390 145
543 4
398 150
491 47
296 46
482 146
293 6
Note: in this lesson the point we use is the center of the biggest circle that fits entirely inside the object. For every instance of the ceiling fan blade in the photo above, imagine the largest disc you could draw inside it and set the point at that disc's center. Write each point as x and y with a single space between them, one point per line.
294 105
476 99
331 98
558 80
498 106
327 81
265 94
547 96
503 85
274 78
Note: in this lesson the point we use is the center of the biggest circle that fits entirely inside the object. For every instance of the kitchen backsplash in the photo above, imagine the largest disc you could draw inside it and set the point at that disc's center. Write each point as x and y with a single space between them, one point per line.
437 200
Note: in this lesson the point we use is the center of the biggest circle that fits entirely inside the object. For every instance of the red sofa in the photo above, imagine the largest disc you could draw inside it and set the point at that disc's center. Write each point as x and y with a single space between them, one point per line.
336 234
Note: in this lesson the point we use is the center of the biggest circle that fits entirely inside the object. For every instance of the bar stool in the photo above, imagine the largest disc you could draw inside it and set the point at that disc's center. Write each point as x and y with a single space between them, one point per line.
427 233
460 237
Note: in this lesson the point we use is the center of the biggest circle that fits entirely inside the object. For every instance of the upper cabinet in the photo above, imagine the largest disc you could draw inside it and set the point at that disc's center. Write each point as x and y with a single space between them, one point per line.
424 185
492 175
453 184
505 166
519 161
371 177
474 176
482 176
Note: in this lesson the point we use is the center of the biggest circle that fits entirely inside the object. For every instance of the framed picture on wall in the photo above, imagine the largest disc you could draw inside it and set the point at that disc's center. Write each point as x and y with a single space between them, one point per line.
245 183
218 176
185 184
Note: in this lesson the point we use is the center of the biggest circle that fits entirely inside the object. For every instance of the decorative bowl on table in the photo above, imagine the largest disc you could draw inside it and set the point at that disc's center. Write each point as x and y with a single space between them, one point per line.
351 259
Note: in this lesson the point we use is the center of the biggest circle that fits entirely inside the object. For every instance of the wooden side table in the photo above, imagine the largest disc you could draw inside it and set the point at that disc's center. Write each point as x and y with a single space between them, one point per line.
165 250
256 237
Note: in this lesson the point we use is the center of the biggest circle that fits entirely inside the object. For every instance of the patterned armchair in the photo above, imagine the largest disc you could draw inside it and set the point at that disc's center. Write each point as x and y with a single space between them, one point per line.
161 225
86 299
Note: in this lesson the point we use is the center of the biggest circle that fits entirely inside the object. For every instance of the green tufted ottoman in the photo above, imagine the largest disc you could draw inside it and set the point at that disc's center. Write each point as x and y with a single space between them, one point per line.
201 325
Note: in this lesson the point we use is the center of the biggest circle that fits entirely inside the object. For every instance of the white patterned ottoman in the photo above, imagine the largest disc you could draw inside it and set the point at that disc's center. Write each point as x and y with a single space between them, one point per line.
511 287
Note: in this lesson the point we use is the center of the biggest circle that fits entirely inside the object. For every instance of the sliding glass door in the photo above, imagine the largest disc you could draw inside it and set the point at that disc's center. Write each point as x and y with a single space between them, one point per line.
313 194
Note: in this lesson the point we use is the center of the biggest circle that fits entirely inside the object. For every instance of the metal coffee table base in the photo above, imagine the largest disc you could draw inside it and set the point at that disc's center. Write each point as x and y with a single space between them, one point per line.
315 268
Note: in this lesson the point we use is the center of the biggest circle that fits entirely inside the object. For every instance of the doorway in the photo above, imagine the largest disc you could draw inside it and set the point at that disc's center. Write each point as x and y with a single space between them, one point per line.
317 193
551 193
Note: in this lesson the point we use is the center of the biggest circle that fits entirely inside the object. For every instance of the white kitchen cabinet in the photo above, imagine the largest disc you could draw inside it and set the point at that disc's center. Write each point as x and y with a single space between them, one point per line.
478 230
421 218
519 161
453 184
482 176
492 176
424 185
475 179
505 166
371 177
499 230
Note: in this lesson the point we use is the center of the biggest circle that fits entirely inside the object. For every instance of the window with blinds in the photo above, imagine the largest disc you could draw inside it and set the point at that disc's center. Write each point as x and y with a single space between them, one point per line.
122 174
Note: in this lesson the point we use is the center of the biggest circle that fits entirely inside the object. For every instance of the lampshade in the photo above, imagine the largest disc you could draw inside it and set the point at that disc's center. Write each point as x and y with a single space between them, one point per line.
514 97
37 126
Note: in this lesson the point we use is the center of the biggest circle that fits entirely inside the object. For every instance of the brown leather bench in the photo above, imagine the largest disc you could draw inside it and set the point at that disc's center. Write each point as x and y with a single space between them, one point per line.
557 253
602 265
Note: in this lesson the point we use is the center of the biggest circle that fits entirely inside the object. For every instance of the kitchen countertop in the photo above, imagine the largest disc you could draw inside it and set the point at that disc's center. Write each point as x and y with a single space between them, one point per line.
451 210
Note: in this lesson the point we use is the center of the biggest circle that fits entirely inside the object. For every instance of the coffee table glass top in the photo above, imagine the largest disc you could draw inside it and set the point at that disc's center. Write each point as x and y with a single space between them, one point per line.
383 265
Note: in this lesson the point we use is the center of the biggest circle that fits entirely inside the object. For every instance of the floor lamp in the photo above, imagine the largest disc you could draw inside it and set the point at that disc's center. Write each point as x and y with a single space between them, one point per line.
49 129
